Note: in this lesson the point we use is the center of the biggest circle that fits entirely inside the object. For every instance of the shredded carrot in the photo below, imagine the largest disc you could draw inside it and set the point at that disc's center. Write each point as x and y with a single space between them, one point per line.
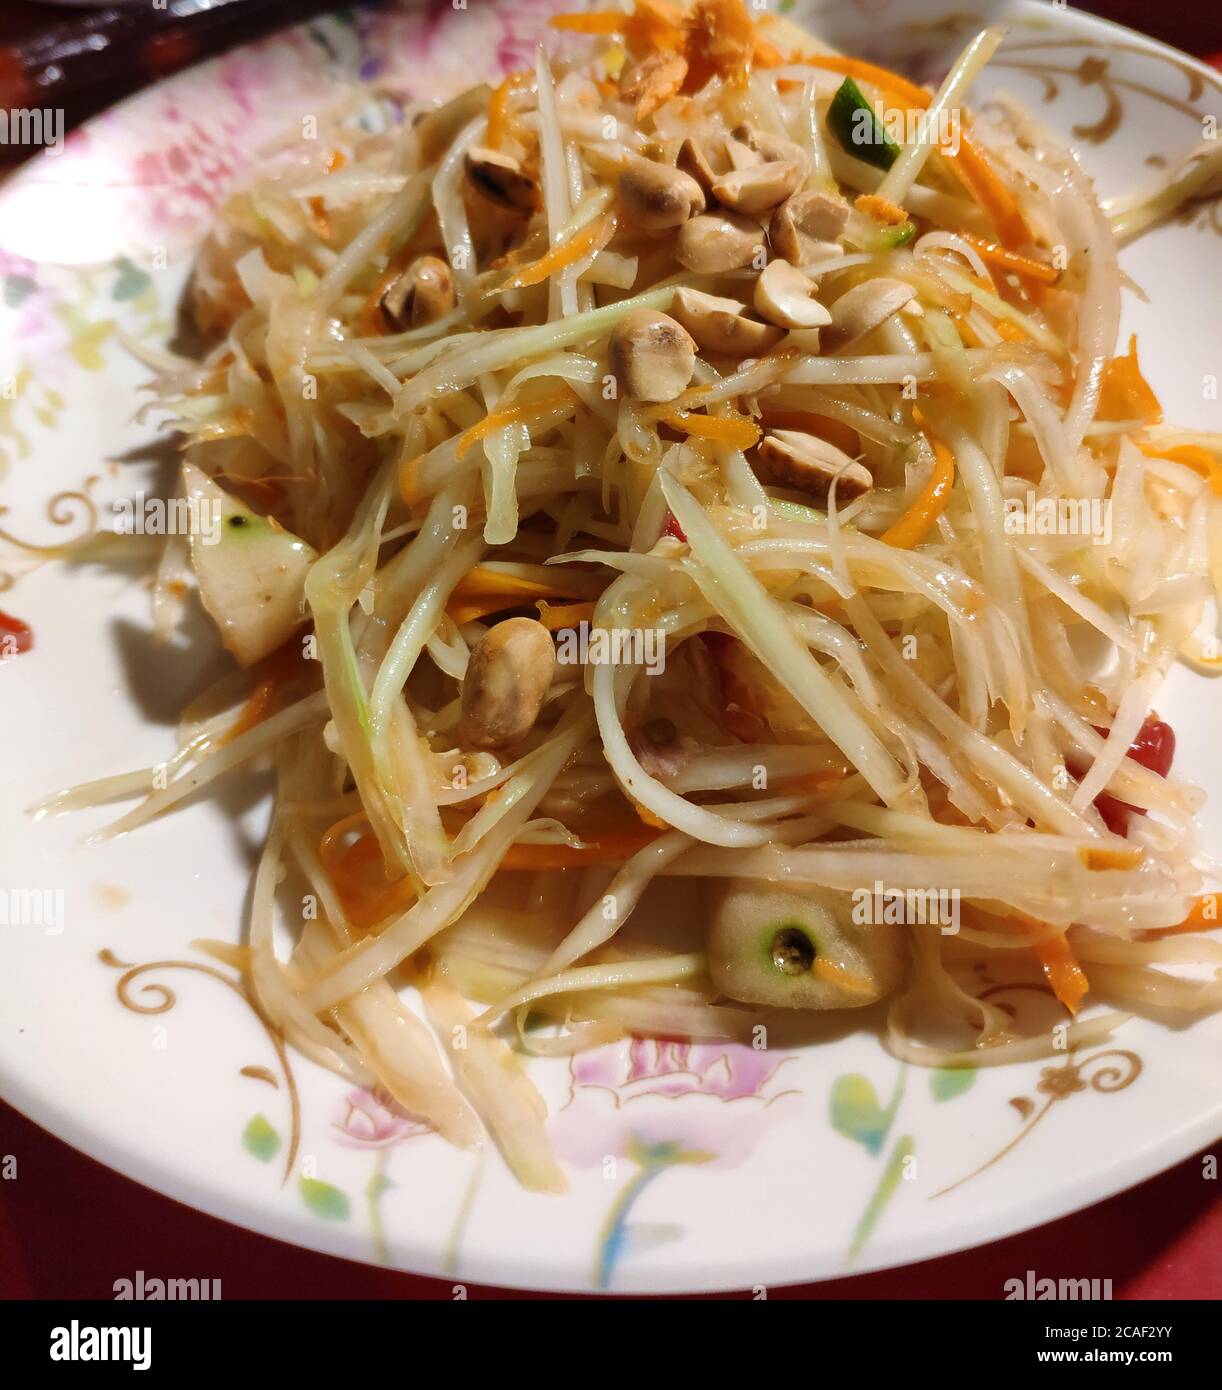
735 430
1011 260
842 977
1061 968
592 237
965 330
820 781
485 591
646 816
255 710
914 525
556 617
1064 974
654 26
978 177
535 408
1011 332
498 103
969 162
881 209
861 71
409 471
605 22
1104 858
766 56
612 847
357 871
1125 394
472 610
1202 916
1191 456
319 219
481 582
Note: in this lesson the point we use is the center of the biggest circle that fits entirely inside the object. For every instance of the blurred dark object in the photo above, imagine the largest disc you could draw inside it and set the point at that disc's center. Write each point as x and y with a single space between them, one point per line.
1194 26
69 1228
81 61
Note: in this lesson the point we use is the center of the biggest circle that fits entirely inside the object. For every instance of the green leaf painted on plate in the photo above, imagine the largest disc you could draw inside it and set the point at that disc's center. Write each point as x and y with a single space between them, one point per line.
945 1083
897 1166
17 288
324 1200
663 1153
260 1139
856 1112
132 282
85 336
147 302
639 1237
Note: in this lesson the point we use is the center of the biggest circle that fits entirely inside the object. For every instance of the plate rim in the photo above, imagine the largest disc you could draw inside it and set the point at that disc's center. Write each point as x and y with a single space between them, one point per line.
544 1275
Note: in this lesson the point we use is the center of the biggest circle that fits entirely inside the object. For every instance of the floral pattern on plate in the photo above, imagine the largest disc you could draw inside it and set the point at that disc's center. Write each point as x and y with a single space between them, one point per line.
665 1141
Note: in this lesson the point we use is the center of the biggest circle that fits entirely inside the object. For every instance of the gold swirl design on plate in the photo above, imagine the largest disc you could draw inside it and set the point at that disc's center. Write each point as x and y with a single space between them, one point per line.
155 997
1109 1071
1094 71
75 507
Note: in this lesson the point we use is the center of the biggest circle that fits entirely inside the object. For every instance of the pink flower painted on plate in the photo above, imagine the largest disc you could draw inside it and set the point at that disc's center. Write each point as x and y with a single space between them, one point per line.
714 1099
369 1122
435 52
34 326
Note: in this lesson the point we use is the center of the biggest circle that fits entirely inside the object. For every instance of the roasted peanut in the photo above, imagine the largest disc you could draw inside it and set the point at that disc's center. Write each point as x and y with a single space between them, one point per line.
720 326
760 187
501 179
783 295
658 196
717 241
651 355
768 147
810 464
694 159
804 227
422 294
507 680
863 308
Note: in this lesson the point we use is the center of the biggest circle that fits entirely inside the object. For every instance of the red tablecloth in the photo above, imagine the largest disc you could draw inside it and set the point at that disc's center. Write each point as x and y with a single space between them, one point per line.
69 1227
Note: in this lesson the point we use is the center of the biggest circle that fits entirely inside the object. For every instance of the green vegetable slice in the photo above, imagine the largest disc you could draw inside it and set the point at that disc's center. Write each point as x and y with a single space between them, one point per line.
858 130
898 236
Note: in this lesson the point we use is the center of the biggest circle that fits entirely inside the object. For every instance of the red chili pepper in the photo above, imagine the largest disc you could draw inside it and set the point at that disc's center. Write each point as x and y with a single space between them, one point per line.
1154 747
1115 814
15 636
671 527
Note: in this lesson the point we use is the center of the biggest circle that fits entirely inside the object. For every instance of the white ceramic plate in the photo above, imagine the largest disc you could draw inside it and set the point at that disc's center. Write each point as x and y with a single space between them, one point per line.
116 1035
